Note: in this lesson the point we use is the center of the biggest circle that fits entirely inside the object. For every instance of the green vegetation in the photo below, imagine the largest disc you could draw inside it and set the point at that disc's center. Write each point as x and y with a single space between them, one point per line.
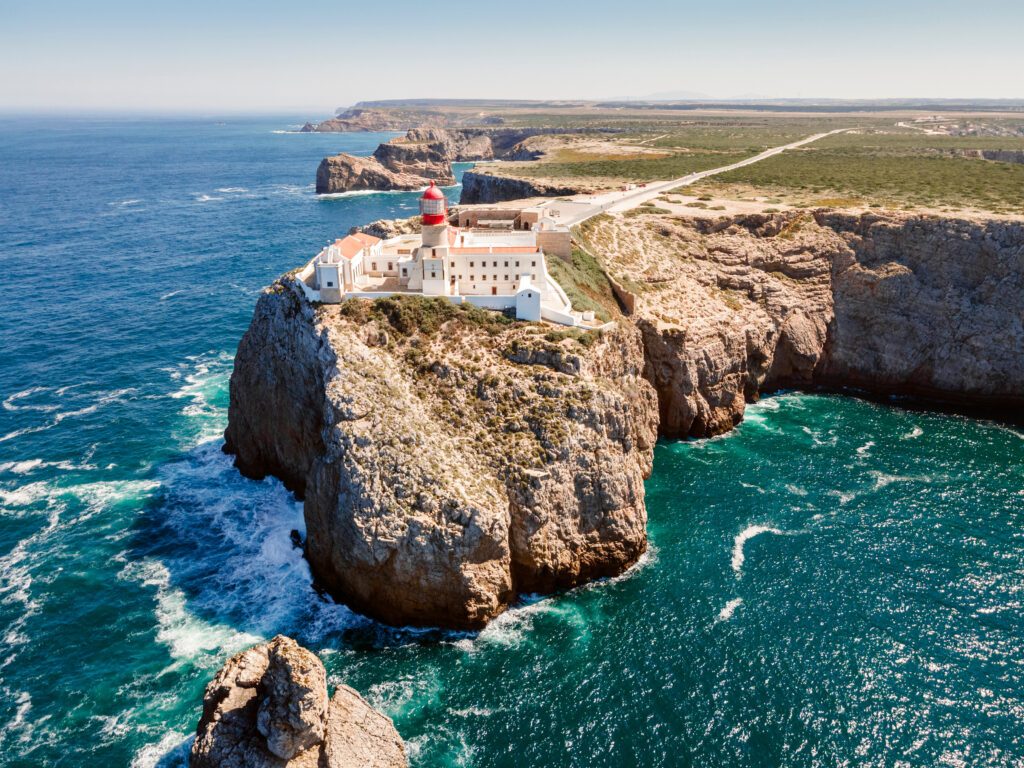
634 167
895 168
584 338
408 315
586 284
640 210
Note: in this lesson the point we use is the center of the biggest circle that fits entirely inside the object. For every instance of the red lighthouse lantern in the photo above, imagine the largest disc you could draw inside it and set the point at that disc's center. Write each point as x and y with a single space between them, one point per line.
433 206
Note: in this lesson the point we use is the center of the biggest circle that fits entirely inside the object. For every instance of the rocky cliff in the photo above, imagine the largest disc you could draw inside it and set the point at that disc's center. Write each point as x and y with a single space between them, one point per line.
357 119
421 156
450 459
887 303
268 708
490 188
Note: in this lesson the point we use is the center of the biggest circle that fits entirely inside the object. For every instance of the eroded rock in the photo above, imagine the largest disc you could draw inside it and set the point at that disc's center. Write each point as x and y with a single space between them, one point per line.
268 708
462 461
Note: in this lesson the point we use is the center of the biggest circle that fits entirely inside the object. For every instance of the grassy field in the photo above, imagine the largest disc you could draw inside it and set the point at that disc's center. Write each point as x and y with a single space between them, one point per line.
631 167
895 169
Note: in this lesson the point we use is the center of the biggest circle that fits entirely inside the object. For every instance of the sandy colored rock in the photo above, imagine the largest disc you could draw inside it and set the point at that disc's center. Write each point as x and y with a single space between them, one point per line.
293 709
461 461
268 708
423 155
359 736
888 303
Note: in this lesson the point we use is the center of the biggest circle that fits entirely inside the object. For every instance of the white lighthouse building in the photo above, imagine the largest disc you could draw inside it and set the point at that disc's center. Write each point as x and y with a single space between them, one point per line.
492 268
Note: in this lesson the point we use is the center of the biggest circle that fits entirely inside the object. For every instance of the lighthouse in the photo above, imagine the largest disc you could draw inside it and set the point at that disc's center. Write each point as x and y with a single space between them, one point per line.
431 268
433 212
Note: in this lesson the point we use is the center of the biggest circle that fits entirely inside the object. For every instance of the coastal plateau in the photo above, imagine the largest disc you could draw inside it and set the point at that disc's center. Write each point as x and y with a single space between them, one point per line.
451 459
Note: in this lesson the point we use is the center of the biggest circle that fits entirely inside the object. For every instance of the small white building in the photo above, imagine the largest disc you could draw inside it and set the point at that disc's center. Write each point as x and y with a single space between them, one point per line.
492 268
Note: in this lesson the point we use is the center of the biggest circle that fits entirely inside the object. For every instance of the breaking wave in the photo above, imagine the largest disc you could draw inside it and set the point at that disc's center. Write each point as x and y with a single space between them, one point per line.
742 538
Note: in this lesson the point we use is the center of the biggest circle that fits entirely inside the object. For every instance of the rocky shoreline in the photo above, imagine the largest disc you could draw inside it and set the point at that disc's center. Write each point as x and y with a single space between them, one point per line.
424 155
450 460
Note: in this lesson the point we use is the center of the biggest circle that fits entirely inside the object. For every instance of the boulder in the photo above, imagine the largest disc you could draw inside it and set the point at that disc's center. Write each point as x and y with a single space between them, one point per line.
268 708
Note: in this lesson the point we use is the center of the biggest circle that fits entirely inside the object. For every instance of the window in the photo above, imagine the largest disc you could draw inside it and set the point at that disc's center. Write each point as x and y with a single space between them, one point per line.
391 267
494 264
506 266
472 263
452 264
330 284
495 278
517 263
483 277
472 278
506 278
433 275
373 266
533 263
405 272
534 276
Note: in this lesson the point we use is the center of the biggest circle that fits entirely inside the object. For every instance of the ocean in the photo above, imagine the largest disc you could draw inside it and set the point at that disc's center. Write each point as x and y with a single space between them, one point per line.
836 582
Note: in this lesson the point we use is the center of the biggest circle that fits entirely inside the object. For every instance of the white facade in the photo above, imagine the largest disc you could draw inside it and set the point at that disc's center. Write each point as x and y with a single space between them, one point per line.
496 269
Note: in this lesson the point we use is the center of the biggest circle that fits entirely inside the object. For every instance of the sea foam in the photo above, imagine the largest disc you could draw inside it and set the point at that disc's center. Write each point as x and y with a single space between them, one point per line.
742 538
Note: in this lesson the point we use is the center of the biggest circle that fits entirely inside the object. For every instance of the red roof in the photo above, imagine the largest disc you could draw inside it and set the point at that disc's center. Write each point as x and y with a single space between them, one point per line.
351 245
433 193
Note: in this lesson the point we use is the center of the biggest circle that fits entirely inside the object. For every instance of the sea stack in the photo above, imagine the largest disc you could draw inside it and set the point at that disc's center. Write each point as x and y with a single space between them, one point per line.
268 708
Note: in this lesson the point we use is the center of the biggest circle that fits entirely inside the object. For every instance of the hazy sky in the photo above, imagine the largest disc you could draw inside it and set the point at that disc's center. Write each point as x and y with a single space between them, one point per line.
313 56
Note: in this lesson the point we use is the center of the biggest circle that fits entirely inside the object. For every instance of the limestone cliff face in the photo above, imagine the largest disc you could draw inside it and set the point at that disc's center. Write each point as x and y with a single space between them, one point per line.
357 119
490 188
928 307
268 708
423 155
449 459
348 173
889 303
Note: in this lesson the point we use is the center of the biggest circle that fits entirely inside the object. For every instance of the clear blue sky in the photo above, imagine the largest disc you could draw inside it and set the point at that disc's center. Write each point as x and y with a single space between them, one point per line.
313 56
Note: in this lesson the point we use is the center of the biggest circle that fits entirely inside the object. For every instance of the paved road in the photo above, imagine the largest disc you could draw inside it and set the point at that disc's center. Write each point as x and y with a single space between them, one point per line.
584 208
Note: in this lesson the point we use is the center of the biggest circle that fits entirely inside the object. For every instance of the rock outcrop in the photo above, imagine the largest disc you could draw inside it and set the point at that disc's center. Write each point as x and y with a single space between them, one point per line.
887 303
423 155
492 188
348 173
996 155
268 708
361 119
450 459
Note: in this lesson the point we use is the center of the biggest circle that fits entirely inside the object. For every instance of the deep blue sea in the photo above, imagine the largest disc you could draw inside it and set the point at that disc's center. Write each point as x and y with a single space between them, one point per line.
836 583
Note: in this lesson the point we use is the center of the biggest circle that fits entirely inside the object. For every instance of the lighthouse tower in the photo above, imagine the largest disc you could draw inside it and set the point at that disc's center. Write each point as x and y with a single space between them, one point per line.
431 270
434 212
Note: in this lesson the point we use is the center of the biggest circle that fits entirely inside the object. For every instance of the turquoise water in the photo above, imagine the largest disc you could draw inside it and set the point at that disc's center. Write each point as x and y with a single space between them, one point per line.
834 583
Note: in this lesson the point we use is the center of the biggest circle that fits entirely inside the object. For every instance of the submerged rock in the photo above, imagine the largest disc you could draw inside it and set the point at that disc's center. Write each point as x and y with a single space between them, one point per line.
268 706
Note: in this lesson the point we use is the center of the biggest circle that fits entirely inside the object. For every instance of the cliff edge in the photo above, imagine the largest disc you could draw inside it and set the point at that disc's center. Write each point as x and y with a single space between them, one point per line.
887 303
449 458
